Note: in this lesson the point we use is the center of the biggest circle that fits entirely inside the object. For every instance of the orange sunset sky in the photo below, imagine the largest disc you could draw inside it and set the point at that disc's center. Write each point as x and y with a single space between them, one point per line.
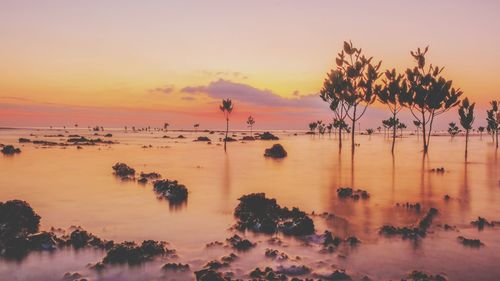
118 62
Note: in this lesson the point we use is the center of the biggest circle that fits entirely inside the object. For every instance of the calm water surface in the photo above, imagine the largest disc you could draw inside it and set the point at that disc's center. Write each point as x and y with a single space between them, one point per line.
76 187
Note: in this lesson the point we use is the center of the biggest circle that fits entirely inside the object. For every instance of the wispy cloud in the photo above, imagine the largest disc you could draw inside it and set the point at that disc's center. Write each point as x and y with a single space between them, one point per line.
164 90
221 88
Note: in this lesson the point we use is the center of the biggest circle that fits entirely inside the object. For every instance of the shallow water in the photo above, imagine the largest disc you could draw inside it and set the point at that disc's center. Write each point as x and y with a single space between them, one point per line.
77 187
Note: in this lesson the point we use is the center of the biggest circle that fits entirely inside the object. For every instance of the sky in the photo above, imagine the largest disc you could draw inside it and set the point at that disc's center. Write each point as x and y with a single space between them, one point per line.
121 63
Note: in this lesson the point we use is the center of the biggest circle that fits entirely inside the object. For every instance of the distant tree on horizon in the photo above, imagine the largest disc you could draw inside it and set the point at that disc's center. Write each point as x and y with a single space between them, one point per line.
417 124
313 126
481 131
250 123
453 129
429 94
401 127
466 113
165 126
226 107
196 126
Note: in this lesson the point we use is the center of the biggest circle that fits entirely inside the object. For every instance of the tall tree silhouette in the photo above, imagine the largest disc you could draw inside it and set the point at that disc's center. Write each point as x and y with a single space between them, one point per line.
466 113
226 107
165 126
351 85
394 86
430 95
493 119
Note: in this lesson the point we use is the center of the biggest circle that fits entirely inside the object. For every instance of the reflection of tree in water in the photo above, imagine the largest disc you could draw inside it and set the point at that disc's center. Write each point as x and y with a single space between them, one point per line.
464 194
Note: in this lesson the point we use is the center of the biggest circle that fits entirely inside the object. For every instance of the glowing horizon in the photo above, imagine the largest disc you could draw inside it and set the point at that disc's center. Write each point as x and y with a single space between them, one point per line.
123 63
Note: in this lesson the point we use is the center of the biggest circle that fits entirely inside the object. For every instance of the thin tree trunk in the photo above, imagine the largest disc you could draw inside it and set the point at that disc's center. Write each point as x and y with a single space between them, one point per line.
340 139
466 143
353 129
393 136
227 130
424 133
497 137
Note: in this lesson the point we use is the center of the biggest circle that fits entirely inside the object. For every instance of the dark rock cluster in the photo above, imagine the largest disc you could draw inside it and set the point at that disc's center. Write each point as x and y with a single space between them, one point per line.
412 232
257 213
276 151
10 150
171 190
268 136
347 192
123 170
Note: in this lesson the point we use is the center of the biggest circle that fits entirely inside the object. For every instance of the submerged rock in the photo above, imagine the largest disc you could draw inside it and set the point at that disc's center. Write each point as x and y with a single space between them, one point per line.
476 243
24 140
293 270
267 274
17 218
176 267
202 139
131 253
276 255
248 138
412 232
268 136
210 275
347 192
229 139
171 190
80 238
123 170
10 150
18 221
276 151
421 276
257 213
239 243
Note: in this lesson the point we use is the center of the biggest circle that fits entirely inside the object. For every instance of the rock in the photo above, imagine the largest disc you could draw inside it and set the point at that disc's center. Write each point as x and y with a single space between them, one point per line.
239 243
257 213
276 255
267 274
268 136
202 139
80 238
276 151
339 275
150 176
475 243
438 170
412 232
229 139
17 218
68 276
131 253
215 264
293 270
347 192
171 190
10 150
353 240
209 275
108 135
142 180
421 276
122 170
24 140
17 222
42 241
248 138
181 137
177 267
